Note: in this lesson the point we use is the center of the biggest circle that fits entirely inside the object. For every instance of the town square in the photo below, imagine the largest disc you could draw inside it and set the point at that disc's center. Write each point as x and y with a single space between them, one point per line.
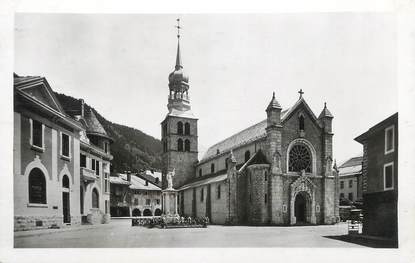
216 131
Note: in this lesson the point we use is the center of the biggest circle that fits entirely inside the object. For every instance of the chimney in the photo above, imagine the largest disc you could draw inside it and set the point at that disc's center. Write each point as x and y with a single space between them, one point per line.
82 107
129 176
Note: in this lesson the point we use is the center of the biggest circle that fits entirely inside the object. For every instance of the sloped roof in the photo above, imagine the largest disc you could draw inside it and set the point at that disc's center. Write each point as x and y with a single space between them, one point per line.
137 183
325 113
351 166
183 114
94 127
209 180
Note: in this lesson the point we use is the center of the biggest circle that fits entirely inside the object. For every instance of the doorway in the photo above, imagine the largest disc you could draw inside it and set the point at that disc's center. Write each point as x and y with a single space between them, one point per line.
300 209
66 200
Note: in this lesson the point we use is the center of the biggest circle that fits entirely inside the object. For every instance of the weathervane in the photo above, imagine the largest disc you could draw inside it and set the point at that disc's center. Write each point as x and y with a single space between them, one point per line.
178 27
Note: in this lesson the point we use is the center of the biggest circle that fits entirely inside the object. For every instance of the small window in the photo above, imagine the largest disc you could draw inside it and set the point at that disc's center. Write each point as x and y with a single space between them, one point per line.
106 207
158 201
180 145
95 198
341 195
106 182
37 187
389 139
65 145
93 164
187 129
226 163
341 184
202 195
148 201
212 168
97 167
180 127
217 151
218 194
37 133
135 201
265 198
83 160
301 122
350 196
247 155
266 176
106 147
200 172
388 176
350 183
65 181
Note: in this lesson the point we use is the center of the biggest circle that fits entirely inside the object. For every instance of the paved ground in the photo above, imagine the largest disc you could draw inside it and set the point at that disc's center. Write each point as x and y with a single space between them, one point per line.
120 233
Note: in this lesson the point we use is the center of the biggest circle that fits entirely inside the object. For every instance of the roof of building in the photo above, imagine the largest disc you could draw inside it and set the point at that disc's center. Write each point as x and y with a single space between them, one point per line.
151 177
137 183
252 133
273 104
94 127
351 166
377 127
205 181
182 114
325 112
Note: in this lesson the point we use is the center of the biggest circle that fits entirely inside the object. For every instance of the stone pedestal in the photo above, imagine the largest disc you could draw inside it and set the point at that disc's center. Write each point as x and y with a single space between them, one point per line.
169 202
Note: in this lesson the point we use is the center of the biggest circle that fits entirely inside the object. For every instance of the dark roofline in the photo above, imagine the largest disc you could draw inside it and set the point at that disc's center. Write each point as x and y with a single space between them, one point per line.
361 138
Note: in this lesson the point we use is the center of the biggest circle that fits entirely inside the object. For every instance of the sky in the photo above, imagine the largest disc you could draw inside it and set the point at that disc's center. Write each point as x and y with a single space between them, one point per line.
120 64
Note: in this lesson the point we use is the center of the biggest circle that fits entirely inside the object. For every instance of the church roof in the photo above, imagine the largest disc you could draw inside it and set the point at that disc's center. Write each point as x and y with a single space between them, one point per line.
325 112
218 178
251 133
183 114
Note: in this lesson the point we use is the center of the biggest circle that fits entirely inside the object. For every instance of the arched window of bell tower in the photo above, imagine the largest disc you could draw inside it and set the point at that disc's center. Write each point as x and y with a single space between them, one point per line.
187 128
180 127
180 145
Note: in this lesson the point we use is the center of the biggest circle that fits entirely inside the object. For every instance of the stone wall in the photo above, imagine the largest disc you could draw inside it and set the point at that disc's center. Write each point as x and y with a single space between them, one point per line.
41 222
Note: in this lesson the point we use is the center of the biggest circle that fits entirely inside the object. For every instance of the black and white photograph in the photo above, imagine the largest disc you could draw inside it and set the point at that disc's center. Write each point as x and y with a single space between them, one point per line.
188 130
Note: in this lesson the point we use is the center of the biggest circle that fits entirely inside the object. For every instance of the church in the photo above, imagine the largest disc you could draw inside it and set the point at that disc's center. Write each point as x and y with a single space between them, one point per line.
276 172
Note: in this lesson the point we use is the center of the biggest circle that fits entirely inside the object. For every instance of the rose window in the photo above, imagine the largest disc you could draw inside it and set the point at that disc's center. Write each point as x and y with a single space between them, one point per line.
299 159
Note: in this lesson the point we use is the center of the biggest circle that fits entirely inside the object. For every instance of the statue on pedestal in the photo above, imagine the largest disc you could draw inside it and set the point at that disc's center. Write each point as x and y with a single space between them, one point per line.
169 178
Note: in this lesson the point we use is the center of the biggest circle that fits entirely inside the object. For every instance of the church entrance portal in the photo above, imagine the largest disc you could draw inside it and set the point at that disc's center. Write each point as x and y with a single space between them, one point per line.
300 209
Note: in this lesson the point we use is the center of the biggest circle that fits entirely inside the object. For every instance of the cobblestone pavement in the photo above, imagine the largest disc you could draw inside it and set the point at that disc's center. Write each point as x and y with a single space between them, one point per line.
120 233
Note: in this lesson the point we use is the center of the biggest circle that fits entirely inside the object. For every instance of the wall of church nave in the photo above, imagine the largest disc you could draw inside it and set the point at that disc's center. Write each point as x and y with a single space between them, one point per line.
220 161
219 204
312 133
201 199
188 202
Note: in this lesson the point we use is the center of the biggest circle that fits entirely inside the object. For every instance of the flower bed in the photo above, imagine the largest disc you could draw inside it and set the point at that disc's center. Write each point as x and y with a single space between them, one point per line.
171 222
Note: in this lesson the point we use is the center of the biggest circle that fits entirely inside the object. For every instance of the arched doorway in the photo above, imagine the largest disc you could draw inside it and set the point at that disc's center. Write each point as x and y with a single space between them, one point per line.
157 212
300 210
66 200
136 212
147 212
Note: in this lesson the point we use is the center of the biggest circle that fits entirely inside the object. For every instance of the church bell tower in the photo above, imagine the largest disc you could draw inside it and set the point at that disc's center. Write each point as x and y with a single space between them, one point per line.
179 128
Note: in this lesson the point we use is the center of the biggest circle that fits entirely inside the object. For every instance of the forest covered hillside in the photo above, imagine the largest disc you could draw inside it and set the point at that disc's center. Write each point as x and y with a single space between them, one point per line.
132 149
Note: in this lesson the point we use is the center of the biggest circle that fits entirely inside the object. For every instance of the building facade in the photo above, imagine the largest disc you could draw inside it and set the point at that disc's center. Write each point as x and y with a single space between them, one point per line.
134 195
278 171
380 178
47 149
350 179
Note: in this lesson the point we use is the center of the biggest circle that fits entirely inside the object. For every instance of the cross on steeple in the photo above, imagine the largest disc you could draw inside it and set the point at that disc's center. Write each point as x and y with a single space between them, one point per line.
301 92
178 27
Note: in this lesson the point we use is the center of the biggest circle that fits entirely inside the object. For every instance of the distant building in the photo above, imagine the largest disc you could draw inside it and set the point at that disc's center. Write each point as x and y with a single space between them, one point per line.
277 171
134 195
47 145
350 179
380 178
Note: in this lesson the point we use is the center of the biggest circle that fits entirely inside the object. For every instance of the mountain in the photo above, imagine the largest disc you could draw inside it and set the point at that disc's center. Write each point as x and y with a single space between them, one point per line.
132 149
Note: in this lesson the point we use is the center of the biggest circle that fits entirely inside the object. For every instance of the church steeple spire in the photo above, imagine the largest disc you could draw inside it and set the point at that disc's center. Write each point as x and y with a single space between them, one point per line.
178 55
178 81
